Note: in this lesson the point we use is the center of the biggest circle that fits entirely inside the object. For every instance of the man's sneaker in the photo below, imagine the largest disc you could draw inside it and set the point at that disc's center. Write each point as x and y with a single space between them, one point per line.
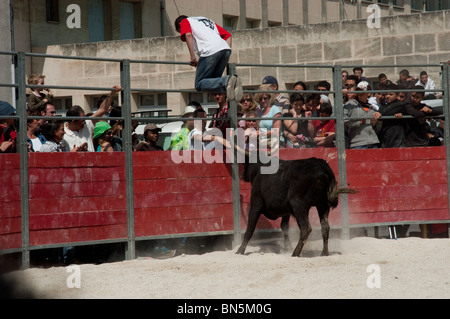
238 91
231 85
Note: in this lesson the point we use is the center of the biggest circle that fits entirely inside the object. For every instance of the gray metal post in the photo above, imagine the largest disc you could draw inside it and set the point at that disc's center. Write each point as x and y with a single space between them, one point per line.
128 148
21 102
446 107
232 113
340 143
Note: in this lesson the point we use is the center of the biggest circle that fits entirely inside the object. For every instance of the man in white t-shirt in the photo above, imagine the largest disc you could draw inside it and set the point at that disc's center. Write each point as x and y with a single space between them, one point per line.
212 44
79 132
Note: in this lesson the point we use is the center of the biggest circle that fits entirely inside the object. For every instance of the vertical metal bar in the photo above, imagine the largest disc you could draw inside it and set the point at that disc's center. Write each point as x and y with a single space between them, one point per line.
232 113
340 143
126 113
446 108
21 100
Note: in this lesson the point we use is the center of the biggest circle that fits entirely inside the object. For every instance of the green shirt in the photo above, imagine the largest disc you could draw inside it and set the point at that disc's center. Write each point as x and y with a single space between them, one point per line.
180 141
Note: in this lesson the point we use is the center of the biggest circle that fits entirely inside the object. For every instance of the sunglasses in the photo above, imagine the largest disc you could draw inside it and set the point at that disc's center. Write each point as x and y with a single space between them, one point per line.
264 98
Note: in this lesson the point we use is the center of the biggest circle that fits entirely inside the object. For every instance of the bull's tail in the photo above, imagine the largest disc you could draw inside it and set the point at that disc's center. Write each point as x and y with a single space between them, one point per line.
334 191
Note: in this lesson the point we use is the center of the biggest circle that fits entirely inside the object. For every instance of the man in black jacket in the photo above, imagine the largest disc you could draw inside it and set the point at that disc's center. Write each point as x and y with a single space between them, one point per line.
392 133
418 132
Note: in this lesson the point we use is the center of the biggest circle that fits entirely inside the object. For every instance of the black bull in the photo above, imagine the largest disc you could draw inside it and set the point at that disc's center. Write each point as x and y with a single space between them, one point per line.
292 190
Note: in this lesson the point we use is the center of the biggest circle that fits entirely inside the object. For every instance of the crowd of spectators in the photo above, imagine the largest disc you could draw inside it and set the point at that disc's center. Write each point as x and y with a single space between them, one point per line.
370 120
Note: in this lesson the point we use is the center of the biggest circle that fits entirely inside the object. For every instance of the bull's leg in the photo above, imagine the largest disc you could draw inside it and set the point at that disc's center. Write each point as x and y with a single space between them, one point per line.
253 217
285 229
305 230
323 216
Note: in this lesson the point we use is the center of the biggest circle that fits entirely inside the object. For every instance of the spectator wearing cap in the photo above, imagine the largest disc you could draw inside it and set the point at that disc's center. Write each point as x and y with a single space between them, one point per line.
281 99
151 136
103 137
360 133
8 131
180 140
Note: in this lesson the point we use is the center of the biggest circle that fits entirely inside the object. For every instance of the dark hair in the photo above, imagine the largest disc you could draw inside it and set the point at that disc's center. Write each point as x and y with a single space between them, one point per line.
49 128
419 89
353 77
393 86
325 84
32 113
404 72
199 111
423 73
178 22
326 108
195 103
296 97
382 75
115 112
75 110
358 68
301 83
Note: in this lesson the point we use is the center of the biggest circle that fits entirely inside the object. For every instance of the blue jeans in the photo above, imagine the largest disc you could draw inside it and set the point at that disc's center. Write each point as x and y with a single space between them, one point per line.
364 147
209 72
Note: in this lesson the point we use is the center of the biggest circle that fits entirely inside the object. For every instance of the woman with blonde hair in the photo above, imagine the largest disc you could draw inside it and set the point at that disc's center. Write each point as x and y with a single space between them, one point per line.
249 105
266 101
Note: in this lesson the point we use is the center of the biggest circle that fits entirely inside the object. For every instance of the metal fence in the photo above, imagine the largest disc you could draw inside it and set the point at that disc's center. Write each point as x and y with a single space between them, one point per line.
125 81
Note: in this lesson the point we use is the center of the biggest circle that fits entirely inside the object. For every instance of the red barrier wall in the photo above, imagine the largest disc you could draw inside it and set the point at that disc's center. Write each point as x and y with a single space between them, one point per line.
82 197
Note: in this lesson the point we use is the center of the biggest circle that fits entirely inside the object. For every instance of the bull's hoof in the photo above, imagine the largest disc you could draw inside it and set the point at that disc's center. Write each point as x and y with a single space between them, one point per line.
324 253
240 251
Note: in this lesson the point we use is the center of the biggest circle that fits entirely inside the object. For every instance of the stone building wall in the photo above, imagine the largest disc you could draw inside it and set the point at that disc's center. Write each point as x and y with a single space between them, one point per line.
406 39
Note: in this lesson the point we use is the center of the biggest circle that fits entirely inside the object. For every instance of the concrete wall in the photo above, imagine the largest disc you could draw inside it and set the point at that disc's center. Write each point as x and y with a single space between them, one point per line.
406 39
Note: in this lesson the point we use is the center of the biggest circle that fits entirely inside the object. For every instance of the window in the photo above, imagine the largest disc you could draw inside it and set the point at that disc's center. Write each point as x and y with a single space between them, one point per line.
52 11
229 23
253 24
206 100
154 103
62 104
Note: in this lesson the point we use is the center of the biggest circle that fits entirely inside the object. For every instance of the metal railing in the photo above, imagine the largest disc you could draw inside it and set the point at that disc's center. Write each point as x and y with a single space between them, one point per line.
125 82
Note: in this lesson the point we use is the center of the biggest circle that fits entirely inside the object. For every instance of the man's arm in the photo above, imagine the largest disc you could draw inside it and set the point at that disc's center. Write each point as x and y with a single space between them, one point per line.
106 104
190 44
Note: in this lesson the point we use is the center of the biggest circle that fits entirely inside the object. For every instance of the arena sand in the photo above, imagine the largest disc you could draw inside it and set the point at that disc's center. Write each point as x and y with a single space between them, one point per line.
408 268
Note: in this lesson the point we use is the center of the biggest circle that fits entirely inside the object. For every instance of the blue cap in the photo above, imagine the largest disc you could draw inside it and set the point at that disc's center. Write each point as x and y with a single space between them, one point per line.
6 108
270 80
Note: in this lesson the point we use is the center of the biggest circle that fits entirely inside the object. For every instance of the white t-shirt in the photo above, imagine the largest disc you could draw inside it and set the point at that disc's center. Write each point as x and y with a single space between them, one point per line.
198 145
77 138
208 36
37 144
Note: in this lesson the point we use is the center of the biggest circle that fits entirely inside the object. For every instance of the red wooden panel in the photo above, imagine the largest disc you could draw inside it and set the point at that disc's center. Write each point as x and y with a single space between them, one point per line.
9 193
375 167
397 204
181 171
78 219
183 219
76 160
82 189
76 175
9 176
10 225
395 154
67 235
178 158
377 192
81 204
176 199
397 179
11 161
399 216
11 209
10 241
182 185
